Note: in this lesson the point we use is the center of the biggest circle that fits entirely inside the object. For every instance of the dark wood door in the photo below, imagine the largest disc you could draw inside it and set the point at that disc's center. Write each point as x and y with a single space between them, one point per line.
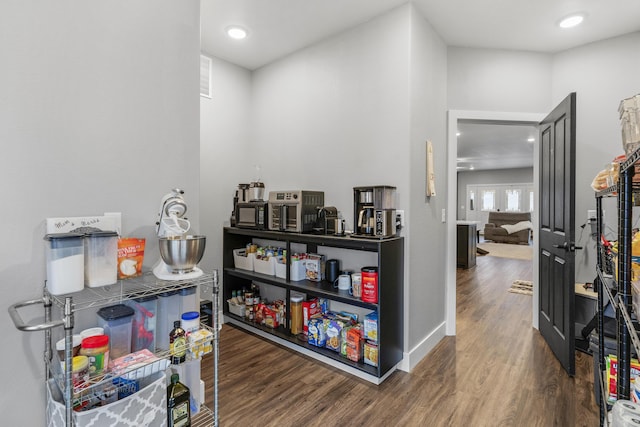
557 231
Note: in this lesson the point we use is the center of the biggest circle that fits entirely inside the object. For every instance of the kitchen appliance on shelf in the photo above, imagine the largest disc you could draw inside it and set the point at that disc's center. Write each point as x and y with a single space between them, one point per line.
374 209
241 196
327 220
179 252
295 211
252 211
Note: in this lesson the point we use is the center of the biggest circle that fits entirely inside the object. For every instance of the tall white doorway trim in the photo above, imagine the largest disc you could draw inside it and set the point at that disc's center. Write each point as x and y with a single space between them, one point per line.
452 188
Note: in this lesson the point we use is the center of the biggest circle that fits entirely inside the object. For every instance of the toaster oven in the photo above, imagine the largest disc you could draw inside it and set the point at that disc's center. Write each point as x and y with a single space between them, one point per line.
295 211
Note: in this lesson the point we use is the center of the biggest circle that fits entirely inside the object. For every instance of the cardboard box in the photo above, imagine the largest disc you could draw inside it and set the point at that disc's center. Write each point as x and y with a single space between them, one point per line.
314 267
309 309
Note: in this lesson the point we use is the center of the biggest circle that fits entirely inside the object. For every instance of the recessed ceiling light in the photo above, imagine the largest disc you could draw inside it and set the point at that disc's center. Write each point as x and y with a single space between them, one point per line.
457 133
236 32
571 21
531 140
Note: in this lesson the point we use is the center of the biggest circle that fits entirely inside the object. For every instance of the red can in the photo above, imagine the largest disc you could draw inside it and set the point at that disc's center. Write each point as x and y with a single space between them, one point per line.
370 284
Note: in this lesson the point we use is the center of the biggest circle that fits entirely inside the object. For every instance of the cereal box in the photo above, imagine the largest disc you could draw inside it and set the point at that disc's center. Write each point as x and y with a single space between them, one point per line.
314 267
317 332
371 354
371 326
334 331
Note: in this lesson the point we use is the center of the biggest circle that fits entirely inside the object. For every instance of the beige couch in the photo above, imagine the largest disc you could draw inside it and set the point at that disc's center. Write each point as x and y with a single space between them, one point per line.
494 231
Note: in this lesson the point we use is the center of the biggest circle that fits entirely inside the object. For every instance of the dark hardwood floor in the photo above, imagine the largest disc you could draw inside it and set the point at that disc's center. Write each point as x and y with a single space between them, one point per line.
497 371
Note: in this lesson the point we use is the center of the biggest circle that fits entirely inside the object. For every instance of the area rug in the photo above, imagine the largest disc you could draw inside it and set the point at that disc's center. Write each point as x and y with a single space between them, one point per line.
505 250
524 287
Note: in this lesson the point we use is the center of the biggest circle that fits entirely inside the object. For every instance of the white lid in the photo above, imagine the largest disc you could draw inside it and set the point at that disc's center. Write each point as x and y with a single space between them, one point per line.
91 332
296 299
77 340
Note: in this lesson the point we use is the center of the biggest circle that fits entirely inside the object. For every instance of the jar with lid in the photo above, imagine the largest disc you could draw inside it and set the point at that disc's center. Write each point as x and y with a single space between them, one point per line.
96 348
296 315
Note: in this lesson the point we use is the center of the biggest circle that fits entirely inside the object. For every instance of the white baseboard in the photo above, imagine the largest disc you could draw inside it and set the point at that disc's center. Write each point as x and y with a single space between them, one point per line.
416 354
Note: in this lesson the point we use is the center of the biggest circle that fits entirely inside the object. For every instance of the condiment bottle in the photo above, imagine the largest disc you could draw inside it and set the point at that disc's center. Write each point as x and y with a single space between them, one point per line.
96 348
178 410
177 344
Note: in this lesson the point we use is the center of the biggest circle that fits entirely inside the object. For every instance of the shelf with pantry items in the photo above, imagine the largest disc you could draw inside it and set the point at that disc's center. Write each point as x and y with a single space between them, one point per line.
278 283
78 394
616 267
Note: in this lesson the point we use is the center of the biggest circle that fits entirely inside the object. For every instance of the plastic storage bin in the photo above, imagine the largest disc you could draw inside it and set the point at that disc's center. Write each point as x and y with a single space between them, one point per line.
168 312
65 263
242 259
143 327
100 258
265 266
189 300
116 321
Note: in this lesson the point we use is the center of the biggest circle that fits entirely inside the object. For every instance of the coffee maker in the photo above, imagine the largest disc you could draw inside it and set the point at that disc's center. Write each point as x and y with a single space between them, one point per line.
374 210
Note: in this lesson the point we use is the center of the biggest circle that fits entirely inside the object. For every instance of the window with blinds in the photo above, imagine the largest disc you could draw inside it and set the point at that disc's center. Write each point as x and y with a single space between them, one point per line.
205 76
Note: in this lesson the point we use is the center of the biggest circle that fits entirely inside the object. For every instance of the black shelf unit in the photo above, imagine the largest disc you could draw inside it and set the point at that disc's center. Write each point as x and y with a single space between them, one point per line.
617 288
390 263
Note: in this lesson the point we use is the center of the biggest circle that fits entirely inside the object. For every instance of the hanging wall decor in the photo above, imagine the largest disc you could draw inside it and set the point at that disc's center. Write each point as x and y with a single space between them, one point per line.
431 180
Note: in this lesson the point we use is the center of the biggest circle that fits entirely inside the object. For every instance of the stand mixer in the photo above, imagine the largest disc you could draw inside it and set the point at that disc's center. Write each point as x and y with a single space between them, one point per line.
174 242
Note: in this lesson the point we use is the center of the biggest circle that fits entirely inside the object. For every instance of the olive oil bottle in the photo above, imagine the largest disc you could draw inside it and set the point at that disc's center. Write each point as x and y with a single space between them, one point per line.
178 410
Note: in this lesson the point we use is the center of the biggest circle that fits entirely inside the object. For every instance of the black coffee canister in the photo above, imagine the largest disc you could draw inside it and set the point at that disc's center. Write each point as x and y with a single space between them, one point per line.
333 269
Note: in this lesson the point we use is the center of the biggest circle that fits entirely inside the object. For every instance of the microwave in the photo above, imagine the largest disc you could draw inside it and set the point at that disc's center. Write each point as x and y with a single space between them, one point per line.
252 215
295 211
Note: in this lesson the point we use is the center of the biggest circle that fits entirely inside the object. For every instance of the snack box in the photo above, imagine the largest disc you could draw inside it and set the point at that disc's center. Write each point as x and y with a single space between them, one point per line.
334 333
309 309
314 267
371 354
371 326
612 376
317 332
200 343
348 340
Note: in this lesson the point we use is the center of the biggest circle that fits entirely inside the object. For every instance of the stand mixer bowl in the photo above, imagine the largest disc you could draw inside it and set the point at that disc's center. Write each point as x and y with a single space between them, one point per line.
181 254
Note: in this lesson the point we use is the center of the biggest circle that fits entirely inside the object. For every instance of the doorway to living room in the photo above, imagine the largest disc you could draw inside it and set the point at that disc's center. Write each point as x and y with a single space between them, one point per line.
454 205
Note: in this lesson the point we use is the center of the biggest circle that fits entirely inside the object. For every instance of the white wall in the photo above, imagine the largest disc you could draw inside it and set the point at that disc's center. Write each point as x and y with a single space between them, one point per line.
335 115
425 299
601 74
98 112
495 176
498 80
224 144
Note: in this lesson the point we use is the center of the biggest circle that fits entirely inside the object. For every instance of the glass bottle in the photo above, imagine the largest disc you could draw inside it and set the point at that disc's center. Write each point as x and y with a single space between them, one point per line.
177 344
178 410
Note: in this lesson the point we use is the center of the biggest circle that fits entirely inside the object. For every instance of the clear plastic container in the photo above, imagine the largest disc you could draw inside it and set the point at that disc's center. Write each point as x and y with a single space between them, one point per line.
296 315
65 263
143 327
100 258
116 321
189 300
168 312
190 321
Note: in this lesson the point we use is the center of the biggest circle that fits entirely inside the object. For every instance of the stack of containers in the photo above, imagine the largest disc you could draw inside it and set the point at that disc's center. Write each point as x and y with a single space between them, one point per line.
76 260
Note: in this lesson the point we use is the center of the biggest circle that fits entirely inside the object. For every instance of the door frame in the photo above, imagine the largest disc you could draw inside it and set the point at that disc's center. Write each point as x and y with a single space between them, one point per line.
452 190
